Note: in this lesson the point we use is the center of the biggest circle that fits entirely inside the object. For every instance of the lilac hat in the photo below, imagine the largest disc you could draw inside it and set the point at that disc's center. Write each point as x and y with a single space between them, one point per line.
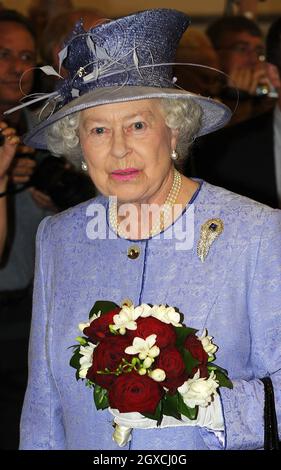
127 59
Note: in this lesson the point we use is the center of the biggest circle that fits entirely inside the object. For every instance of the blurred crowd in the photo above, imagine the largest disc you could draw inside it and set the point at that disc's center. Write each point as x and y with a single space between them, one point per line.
231 61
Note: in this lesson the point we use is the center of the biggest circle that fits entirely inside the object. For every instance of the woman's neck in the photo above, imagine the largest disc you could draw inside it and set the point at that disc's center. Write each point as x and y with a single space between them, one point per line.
145 219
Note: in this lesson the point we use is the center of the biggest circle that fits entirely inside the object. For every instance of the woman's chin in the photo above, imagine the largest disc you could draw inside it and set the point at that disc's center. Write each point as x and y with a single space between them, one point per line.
126 198
127 192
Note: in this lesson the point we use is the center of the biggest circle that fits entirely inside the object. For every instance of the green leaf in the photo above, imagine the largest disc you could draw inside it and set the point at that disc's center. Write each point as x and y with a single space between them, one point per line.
223 380
221 375
190 413
100 397
158 415
189 361
170 405
75 359
82 340
102 306
212 366
182 333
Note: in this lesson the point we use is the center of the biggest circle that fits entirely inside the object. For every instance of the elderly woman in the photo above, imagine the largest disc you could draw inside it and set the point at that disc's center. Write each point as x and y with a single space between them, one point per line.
153 236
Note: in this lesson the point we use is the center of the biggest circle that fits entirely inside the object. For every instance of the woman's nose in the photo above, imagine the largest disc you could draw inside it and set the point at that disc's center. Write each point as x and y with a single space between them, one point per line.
119 146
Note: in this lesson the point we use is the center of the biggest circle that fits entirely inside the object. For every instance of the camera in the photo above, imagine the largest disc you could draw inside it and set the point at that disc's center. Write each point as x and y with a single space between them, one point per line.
266 90
65 185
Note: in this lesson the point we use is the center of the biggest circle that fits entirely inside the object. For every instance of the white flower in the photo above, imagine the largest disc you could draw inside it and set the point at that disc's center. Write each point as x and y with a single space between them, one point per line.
198 391
166 314
126 319
158 375
145 310
86 359
81 326
207 344
144 347
148 362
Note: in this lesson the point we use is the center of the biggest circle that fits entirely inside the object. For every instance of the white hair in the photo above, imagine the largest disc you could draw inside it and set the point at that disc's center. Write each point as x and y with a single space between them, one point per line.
184 115
181 114
62 138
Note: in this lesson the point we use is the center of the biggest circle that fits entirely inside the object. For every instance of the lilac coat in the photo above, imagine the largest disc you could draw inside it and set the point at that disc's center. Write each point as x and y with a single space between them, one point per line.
235 294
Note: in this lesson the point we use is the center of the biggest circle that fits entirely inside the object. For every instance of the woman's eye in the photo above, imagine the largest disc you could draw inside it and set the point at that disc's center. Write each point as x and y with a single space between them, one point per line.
139 126
98 130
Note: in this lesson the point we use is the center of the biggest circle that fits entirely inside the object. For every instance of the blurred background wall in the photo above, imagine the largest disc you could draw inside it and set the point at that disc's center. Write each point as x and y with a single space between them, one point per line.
196 8
201 12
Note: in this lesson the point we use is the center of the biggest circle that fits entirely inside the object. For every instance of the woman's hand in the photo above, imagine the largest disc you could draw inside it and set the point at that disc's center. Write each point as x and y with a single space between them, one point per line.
7 152
23 167
248 79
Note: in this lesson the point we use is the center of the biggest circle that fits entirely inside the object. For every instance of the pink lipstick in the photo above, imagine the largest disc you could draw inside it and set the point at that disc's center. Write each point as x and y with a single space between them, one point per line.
125 175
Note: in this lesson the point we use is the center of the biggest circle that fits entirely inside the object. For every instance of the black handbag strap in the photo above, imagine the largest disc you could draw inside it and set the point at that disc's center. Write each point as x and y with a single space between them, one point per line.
271 439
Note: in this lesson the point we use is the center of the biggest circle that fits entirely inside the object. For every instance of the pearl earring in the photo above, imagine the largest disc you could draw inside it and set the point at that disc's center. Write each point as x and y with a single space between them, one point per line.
174 155
84 166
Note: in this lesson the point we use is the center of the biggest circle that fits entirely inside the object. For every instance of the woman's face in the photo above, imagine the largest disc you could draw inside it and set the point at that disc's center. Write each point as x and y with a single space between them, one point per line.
127 148
17 59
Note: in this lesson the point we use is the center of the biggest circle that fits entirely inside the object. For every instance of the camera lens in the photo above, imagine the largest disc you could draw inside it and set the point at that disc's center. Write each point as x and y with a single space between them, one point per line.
262 90
266 90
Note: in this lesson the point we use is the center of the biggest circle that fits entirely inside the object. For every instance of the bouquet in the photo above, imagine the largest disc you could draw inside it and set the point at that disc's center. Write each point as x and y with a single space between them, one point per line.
146 366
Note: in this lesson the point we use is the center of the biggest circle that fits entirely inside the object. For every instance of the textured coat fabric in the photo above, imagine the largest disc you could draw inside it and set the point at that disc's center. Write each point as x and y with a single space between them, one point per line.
235 294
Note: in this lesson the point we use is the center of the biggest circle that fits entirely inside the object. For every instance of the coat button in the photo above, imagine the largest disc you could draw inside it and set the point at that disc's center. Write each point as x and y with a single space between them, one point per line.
133 252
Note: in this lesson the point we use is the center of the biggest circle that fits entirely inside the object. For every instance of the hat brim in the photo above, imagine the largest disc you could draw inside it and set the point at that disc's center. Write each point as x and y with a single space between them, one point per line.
215 114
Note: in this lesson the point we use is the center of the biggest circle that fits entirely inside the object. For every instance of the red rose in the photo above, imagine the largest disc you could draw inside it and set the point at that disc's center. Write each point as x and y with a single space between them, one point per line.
134 392
99 328
194 346
108 355
166 335
171 362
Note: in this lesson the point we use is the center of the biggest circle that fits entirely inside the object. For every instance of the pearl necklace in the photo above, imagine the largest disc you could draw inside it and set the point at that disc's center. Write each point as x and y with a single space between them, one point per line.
159 225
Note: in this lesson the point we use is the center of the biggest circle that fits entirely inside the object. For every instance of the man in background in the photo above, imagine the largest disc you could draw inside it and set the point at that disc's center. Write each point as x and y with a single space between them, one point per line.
239 44
246 157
